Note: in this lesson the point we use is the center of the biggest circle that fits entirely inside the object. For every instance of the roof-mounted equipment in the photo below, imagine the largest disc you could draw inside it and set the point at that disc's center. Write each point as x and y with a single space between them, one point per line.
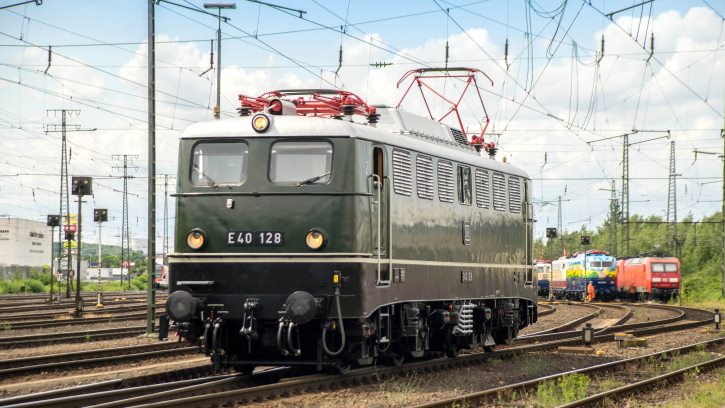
424 76
329 103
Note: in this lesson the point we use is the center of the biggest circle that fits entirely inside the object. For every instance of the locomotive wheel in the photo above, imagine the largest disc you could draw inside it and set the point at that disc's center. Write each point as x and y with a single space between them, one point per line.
452 352
244 369
342 367
395 359
489 349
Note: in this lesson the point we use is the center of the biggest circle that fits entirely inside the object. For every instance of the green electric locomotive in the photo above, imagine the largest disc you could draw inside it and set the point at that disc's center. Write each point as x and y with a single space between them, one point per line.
327 233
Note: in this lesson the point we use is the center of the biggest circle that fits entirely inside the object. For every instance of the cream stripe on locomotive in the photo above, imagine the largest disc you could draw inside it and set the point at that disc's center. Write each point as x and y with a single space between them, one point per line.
227 259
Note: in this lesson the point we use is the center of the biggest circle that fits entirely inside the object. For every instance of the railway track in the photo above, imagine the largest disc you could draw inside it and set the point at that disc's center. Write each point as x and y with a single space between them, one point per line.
46 363
69 337
483 397
24 317
227 391
66 304
40 324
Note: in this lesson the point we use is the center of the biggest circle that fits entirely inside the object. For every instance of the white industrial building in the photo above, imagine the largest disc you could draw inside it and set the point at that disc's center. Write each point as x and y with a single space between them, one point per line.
24 244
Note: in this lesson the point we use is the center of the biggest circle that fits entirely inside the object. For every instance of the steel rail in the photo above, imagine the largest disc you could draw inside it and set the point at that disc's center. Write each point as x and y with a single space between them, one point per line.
366 375
122 309
644 384
534 337
84 358
549 310
568 325
478 398
78 395
75 321
36 339
65 305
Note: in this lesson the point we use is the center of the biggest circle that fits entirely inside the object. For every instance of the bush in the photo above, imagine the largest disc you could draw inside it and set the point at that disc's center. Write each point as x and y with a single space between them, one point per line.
34 286
139 282
10 286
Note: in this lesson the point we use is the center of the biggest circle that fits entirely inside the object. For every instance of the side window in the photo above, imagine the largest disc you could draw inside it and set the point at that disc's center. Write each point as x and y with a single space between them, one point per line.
465 195
483 189
424 177
445 181
378 164
402 172
499 192
514 194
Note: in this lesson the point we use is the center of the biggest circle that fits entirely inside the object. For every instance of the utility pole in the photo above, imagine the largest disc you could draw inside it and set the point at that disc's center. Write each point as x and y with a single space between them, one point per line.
625 174
151 182
625 191
64 207
125 236
671 238
219 7
559 225
165 247
722 211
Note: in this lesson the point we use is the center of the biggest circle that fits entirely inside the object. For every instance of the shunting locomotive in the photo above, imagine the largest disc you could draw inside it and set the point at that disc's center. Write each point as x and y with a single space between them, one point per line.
317 230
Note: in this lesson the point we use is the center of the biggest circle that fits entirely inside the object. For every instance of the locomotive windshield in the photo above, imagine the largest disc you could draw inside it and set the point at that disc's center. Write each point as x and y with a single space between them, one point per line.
664 267
219 163
300 163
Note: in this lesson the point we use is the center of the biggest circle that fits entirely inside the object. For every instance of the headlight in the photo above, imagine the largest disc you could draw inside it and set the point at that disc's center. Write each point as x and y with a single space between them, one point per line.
260 122
656 279
315 239
196 239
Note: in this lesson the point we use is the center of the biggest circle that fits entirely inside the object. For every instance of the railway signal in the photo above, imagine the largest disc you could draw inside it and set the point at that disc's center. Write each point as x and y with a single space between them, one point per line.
80 186
100 215
585 241
551 233
53 223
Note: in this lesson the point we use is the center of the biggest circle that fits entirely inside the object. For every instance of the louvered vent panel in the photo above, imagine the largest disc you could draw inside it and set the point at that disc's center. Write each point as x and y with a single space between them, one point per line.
514 194
402 172
459 136
424 177
483 189
445 181
499 192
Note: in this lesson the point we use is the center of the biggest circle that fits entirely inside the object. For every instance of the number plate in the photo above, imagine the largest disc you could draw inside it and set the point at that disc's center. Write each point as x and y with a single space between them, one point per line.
255 238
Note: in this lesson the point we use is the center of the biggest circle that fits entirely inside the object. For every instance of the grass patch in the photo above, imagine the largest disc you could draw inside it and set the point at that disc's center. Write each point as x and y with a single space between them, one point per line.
563 390
399 390
686 360
534 365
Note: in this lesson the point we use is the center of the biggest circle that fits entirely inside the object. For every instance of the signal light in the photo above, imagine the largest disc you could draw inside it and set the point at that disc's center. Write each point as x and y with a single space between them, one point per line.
53 221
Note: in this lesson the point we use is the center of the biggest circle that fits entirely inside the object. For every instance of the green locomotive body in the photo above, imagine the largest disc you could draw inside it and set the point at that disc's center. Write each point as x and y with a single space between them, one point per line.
325 242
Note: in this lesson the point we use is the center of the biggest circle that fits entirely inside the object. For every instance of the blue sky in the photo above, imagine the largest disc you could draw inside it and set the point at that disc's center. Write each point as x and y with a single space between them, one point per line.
574 100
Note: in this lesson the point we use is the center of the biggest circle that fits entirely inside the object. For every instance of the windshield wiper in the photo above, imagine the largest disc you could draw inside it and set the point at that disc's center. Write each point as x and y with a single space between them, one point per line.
211 182
312 179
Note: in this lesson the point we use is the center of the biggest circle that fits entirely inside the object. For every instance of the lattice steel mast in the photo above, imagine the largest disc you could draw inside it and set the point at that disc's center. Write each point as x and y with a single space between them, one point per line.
125 236
671 239
64 205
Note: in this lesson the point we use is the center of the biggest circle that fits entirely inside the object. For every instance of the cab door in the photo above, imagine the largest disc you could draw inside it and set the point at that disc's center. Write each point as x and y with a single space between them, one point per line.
380 214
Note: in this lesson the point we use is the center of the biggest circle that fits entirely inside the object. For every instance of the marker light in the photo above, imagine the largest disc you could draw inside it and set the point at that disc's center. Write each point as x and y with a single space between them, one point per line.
195 239
315 240
260 122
